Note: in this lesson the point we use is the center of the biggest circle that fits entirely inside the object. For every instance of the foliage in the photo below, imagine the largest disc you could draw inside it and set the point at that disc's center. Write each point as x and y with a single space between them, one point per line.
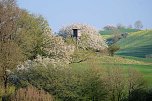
119 83
27 36
10 52
138 25
121 30
65 83
112 49
36 38
123 63
109 27
58 50
90 39
93 83
135 80
140 95
32 34
114 35
116 84
31 93
120 26
10 91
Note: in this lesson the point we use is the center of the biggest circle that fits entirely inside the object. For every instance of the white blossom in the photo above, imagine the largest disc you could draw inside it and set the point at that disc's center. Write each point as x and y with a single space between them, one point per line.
90 37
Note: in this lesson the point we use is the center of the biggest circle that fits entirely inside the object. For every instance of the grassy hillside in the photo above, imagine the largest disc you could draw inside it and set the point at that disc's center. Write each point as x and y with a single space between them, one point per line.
145 67
109 33
137 44
122 30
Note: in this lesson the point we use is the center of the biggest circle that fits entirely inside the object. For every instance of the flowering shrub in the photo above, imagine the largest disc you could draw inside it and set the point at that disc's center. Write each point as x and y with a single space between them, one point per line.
90 38
65 84
41 62
57 50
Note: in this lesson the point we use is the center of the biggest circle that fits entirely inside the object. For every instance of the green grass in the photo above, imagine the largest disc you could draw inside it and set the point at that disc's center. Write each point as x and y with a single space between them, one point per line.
141 65
146 60
137 44
122 30
106 36
133 49
128 30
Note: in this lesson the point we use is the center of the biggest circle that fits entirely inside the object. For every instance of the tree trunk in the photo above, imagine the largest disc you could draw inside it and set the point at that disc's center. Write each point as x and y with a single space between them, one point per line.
5 85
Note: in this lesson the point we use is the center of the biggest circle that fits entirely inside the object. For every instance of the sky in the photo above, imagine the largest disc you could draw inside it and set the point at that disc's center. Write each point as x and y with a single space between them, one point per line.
97 13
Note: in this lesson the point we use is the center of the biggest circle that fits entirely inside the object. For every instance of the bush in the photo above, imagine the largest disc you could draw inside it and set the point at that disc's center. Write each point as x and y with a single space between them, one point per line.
120 85
6 96
112 49
66 84
31 93
140 95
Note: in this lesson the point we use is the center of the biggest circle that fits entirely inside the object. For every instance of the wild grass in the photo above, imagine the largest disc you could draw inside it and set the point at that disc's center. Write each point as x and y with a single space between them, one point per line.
31 93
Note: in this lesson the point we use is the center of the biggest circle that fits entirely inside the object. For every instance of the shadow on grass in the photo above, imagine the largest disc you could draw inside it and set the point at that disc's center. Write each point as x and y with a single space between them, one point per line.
137 51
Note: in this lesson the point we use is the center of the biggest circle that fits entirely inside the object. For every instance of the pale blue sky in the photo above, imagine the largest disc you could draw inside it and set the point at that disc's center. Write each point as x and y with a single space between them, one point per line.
97 13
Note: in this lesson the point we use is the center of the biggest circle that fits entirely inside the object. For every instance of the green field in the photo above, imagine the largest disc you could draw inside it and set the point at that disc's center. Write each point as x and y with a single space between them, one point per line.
133 49
106 34
137 44
122 30
143 66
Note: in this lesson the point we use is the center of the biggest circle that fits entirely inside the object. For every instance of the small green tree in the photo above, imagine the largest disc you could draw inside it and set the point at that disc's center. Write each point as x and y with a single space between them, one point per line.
121 85
32 34
138 25
136 83
112 49
116 35
115 84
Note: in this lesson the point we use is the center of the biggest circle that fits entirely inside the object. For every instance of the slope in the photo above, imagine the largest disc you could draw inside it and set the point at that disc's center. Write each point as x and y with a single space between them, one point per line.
117 62
109 33
137 44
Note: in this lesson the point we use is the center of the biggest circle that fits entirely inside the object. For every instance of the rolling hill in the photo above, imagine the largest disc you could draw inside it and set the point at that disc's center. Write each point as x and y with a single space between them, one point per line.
137 44
122 30
141 65
109 33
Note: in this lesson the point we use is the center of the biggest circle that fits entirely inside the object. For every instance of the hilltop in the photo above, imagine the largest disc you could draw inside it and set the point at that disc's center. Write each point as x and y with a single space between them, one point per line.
109 33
